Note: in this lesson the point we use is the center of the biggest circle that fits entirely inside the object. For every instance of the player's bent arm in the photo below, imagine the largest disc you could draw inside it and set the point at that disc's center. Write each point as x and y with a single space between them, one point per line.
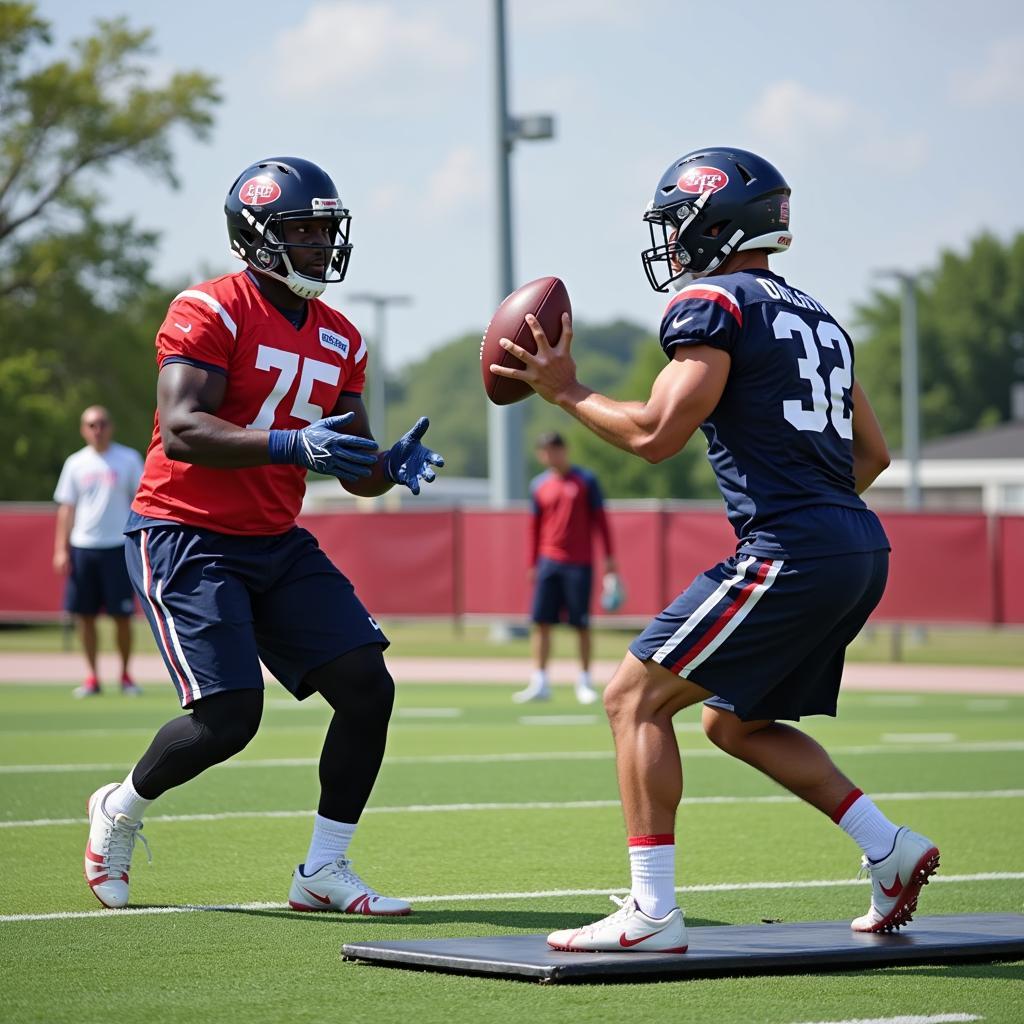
376 483
683 395
188 398
870 452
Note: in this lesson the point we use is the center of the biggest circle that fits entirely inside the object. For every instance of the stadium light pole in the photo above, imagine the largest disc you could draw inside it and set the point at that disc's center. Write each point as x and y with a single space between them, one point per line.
507 478
378 401
910 384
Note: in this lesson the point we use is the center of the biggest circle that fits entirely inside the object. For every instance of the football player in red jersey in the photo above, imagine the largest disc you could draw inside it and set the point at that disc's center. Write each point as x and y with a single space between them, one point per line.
258 383
766 373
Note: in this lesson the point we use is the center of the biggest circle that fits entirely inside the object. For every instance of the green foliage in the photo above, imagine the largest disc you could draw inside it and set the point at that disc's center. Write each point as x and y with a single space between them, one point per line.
970 323
619 359
77 307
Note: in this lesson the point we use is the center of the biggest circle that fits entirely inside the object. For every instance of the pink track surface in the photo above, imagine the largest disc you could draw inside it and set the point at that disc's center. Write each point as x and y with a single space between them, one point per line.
64 668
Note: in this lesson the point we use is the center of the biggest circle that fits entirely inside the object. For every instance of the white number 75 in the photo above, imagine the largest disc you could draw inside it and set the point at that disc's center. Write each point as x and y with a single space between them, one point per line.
288 364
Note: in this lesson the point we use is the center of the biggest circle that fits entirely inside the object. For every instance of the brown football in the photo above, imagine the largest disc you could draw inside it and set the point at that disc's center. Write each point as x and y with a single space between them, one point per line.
547 299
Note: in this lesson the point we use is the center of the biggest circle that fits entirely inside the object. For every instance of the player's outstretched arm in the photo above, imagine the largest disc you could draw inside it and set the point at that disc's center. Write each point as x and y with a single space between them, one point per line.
682 397
870 452
188 398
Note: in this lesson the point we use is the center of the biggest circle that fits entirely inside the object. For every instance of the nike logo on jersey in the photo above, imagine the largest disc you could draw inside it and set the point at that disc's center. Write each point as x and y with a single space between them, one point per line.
894 889
322 899
184 328
678 322
372 622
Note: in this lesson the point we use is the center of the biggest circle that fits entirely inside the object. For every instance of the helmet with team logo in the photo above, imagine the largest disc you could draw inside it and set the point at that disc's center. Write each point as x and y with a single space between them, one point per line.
279 189
708 204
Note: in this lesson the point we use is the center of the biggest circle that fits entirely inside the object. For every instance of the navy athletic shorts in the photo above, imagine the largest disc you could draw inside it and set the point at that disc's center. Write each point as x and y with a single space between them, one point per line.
562 588
768 637
98 581
219 604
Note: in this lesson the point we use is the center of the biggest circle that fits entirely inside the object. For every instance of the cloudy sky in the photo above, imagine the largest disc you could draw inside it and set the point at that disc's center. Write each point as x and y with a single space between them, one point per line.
898 126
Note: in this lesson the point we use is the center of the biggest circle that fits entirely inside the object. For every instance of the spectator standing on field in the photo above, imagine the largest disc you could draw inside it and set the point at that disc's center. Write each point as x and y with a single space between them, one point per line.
94 494
568 510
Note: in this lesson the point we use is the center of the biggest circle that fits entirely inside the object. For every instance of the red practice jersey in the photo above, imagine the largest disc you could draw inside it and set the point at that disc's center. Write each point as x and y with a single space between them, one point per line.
567 512
277 376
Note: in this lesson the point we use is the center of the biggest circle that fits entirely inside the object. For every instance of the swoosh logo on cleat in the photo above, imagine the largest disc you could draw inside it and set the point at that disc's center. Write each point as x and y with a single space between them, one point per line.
317 896
626 943
894 889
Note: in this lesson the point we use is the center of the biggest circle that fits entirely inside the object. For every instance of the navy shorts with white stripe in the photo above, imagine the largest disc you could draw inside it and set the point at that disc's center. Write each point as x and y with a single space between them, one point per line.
219 604
768 636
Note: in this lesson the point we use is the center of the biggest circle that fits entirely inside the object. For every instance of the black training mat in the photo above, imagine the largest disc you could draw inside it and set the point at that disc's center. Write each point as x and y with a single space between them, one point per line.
726 949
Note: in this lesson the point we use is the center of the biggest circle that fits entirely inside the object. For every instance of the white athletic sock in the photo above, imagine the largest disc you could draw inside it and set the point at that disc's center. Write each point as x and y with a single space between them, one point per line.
125 800
652 862
866 825
539 679
583 680
330 841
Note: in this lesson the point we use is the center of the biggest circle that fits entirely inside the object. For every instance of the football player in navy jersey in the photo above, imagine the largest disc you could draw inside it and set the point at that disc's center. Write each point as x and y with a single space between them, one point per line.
767 374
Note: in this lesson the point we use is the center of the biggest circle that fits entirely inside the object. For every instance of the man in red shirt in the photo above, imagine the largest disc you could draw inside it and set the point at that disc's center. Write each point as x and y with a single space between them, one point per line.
568 510
258 383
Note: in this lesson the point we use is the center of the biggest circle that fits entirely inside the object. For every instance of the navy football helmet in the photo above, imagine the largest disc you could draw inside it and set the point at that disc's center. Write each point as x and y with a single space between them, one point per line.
708 204
279 189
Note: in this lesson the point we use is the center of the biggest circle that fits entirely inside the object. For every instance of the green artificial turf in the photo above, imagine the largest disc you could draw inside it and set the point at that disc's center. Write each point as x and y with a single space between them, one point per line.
453 747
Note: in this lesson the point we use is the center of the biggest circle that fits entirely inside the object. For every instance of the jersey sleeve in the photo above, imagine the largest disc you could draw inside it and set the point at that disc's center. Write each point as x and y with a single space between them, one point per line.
356 380
198 331
66 492
702 314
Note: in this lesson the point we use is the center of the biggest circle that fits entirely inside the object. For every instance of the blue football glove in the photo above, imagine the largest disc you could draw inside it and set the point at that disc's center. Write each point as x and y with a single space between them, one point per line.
322 447
408 461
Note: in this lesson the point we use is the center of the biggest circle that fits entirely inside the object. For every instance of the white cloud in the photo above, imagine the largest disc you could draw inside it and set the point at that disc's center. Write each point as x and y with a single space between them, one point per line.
459 183
347 43
999 79
791 122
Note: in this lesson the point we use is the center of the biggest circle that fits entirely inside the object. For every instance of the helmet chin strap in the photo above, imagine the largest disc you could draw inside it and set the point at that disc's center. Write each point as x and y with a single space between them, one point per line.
690 276
304 287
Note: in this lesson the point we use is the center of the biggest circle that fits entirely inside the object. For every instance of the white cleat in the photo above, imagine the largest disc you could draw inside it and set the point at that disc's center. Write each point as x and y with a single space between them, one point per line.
531 693
628 930
108 853
896 881
337 887
586 694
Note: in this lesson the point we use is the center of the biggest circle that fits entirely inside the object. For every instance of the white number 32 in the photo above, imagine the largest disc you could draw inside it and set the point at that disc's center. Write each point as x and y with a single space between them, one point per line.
825 406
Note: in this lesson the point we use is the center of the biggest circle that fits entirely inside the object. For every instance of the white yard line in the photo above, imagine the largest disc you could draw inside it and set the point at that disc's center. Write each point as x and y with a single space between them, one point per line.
558 720
980 747
919 737
534 805
937 1018
477 897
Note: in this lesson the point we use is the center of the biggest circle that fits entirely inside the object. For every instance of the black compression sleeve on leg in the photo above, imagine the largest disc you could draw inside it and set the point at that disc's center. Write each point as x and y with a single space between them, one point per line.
361 691
215 728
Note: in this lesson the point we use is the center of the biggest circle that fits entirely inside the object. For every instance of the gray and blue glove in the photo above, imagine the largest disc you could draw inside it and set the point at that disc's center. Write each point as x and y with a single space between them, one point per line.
322 447
408 461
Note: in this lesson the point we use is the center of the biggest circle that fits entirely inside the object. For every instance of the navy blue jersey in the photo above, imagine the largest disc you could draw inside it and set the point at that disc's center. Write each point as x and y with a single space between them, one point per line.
780 439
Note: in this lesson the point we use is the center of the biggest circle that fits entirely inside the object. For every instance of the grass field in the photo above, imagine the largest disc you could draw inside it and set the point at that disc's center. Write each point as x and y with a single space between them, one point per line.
938 645
455 823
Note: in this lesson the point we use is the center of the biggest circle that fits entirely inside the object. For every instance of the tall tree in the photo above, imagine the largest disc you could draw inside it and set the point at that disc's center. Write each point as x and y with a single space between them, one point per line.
72 282
971 321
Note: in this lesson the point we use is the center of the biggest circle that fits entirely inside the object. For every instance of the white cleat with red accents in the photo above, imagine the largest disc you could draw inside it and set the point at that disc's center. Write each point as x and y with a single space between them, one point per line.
896 881
108 853
628 930
337 887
